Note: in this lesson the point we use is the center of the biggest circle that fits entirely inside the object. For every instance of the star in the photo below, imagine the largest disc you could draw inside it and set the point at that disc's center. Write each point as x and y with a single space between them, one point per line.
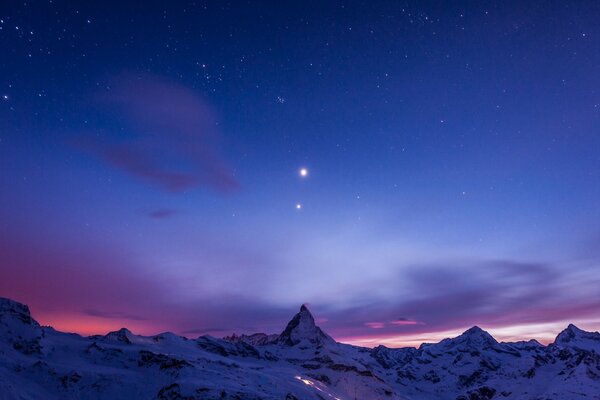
298 206
303 172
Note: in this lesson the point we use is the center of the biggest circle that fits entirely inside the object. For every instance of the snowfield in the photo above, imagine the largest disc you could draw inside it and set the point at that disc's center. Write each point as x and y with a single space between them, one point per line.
302 362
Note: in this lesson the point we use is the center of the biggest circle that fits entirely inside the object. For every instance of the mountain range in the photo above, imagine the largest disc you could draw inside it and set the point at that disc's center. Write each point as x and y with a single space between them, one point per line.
302 362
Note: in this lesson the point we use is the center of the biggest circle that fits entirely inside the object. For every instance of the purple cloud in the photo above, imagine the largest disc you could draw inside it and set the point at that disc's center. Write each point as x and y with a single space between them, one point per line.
457 295
113 315
91 290
162 213
171 138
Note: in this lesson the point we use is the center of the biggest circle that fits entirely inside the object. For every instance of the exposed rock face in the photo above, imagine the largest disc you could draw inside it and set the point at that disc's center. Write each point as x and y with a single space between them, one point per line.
123 335
256 339
12 310
18 328
226 349
302 329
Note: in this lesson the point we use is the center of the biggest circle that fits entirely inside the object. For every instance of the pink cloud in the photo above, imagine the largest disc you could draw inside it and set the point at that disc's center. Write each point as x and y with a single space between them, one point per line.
404 321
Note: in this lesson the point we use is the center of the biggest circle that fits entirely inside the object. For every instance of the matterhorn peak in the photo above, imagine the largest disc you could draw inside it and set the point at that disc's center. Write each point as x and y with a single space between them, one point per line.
302 328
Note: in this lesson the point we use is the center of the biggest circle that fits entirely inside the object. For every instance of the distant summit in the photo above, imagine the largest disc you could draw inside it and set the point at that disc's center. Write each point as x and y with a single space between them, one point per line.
473 339
574 337
302 329
568 335
476 336
123 335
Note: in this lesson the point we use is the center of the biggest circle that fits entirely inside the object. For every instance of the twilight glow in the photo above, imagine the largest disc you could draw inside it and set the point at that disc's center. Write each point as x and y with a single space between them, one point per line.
407 169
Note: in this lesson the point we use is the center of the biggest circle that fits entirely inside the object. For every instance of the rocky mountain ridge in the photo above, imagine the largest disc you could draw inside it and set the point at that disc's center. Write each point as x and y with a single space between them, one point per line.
302 362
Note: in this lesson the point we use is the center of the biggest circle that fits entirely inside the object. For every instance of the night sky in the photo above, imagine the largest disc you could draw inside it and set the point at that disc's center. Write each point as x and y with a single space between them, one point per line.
408 169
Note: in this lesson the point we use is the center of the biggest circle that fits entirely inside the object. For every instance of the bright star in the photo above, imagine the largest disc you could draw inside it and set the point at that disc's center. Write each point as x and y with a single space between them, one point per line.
303 172
298 206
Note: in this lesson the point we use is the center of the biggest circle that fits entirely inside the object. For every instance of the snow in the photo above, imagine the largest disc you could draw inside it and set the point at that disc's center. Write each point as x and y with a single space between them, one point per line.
577 338
302 362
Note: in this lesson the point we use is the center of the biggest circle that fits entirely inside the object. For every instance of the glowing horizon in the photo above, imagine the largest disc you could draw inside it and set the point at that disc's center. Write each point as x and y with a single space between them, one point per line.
545 333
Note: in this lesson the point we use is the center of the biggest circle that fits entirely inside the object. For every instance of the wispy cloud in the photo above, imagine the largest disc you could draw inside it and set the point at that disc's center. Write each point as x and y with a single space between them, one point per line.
171 137
104 289
162 213
405 321
113 315
450 296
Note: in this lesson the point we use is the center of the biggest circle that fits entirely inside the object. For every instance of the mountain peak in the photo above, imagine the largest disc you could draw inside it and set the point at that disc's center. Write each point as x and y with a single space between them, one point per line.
479 334
302 328
123 335
474 330
575 337
475 336
16 310
568 334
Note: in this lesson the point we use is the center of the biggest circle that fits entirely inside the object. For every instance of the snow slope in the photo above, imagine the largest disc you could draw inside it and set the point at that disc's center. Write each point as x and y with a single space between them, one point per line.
302 362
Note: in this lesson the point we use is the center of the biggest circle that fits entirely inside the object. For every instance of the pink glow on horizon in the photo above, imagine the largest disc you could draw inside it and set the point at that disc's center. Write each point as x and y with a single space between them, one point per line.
399 322
86 325
545 333
390 340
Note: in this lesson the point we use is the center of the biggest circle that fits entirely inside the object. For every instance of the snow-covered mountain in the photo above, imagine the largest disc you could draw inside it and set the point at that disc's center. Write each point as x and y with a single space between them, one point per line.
302 362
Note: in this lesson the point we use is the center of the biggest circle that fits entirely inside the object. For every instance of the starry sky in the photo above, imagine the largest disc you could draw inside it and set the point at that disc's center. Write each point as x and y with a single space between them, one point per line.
408 169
